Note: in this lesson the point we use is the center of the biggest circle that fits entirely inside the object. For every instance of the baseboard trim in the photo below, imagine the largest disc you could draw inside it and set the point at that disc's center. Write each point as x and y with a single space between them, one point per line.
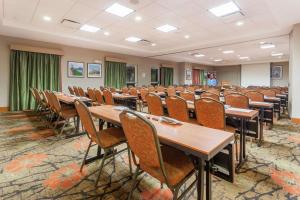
296 120
4 109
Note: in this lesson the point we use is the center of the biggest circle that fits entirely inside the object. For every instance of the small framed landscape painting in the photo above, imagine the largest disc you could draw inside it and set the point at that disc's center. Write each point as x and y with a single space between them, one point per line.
94 70
188 73
276 72
75 69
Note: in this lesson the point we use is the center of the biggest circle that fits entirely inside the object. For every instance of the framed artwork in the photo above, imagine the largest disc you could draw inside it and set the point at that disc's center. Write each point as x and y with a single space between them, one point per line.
276 72
188 74
75 69
94 70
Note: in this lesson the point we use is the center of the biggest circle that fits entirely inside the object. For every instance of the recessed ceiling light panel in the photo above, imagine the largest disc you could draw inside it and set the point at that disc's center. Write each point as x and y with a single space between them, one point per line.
228 51
89 28
239 23
119 10
133 39
267 46
244 57
166 28
218 60
138 18
225 9
199 55
277 54
47 18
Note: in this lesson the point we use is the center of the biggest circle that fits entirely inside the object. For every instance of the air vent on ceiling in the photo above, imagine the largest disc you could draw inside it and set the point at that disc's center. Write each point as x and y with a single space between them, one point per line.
144 42
70 24
233 17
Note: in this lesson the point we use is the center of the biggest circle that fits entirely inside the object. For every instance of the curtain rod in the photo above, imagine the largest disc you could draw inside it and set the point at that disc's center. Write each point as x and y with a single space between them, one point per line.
20 47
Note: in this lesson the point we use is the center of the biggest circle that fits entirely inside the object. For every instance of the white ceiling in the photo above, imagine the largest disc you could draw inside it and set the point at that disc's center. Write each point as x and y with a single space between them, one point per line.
264 20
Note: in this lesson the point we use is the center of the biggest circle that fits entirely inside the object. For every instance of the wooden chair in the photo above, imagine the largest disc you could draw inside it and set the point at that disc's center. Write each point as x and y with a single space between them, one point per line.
151 89
108 97
125 90
210 95
160 89
177 108
143 101
71 90
99 97
63 113
180 88
228 91
188 96
155 106
81 92
211 113
168 165
237 100
107 139
76 91
191 88
171 91
214 91
113 90
133 91
41 105
255 96
268 92
92 96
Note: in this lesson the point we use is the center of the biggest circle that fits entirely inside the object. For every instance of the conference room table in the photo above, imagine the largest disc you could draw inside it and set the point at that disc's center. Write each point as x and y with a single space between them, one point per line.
201 142
125 99
242 114
277 104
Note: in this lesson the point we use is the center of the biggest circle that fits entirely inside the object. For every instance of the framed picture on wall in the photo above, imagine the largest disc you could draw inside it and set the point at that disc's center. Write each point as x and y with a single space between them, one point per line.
75 69
188 74
94 70
276 72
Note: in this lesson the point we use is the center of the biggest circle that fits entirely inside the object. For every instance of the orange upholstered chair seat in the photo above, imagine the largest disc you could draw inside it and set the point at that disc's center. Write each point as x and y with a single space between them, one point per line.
111 137
177 166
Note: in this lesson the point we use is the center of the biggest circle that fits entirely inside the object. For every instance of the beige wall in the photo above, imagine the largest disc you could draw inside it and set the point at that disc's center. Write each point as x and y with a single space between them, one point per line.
229 73
76 54
284 82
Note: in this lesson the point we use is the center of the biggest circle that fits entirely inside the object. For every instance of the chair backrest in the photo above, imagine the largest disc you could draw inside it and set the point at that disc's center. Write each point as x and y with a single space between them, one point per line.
55 102
155 106
210 113
76 91
228 91
188 96
255 96
237 100
191 88
177 108
50 102
180 88
81 92
125 90
133 91
171 91
33 94
71 90
108 97
45 99
91 93
37 95
160 89
87 121
277 90
99 96
268 92
113 90
210 95
214 91
142 139
144 92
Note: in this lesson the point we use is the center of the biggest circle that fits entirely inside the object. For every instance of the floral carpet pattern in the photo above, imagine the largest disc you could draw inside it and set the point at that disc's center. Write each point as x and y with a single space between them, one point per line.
36 163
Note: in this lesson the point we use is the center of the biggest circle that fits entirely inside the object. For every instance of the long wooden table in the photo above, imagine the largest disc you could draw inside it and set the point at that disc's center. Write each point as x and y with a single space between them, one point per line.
201 142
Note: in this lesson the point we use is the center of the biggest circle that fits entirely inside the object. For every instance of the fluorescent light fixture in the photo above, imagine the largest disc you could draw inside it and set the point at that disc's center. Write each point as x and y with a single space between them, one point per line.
133 39
244 57
153 44
218 60
119 10
106 33
239 23
225 9
166 28
186 36
89 28
138 18
47 18
199 55
228 51
267 46
277 54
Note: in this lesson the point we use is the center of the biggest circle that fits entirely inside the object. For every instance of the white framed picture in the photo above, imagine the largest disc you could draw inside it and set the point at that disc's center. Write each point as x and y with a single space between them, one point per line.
94 70
75 69
276 72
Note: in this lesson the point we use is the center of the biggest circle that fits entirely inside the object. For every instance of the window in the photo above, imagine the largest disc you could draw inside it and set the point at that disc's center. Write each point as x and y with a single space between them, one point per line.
154 76
131 77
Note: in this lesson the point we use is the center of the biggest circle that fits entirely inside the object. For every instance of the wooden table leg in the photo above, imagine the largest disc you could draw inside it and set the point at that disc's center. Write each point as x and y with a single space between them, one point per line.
200 182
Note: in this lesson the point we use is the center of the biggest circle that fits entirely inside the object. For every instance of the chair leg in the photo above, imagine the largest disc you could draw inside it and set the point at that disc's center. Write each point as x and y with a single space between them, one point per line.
101 167
134 182
86 153
56 123
129 159
62 129
114 161
175 193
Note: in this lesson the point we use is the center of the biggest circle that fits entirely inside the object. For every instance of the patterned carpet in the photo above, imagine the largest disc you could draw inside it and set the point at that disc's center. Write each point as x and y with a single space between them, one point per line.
37 164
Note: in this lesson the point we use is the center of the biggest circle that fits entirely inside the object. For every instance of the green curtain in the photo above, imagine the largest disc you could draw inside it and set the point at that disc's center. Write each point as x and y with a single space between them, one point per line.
203 78
166 76
115 74
31 70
